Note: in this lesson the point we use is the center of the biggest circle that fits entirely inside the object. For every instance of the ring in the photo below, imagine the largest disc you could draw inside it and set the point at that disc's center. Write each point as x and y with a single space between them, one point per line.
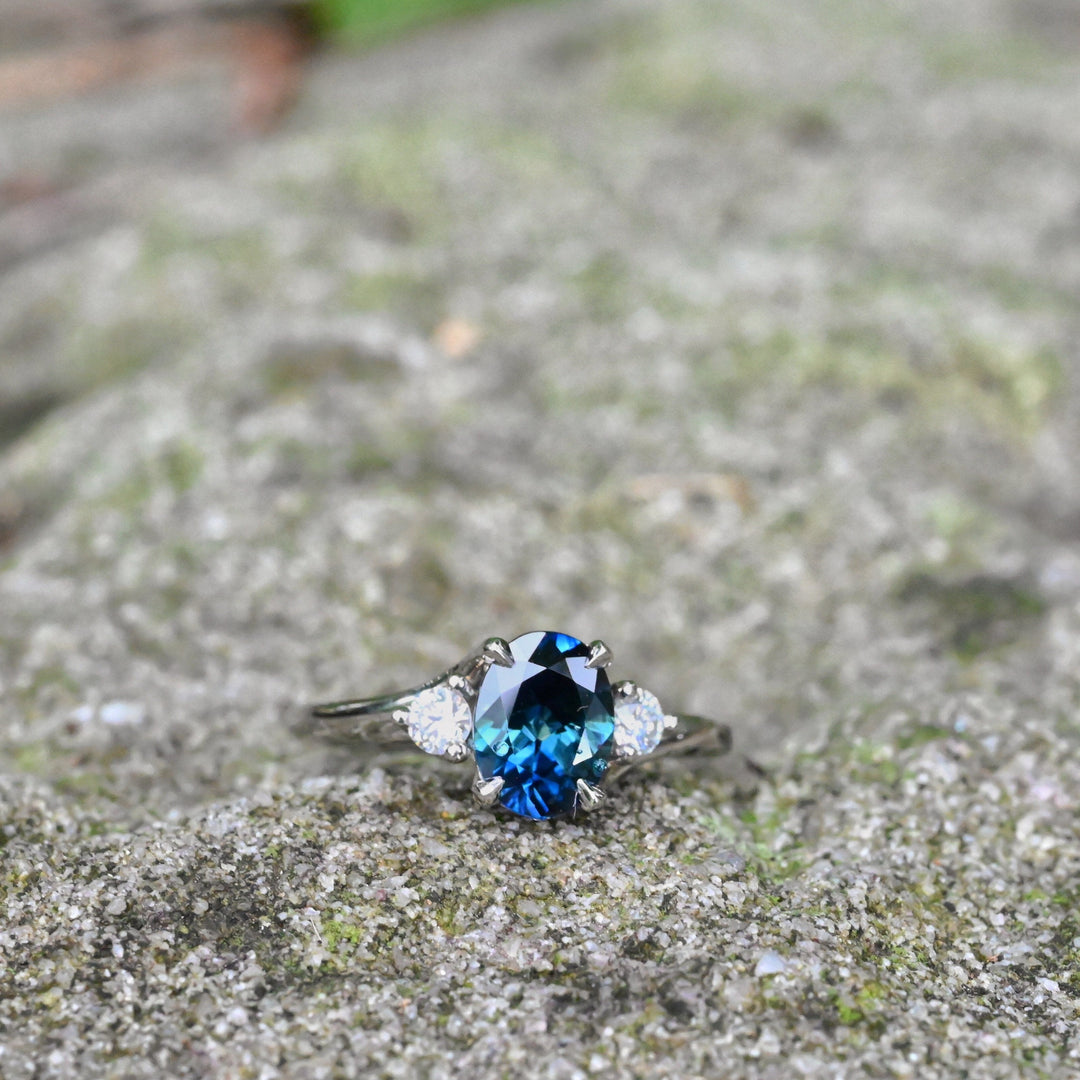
538 715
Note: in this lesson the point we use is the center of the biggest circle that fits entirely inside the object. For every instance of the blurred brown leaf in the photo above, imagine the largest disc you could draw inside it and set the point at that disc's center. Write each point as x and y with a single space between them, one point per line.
269 56
266 53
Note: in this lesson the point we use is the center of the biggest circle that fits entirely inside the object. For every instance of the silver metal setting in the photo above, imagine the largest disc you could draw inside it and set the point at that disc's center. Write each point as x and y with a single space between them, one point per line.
497 651
600 656
456 752
624 691
381 723
486 792
589 795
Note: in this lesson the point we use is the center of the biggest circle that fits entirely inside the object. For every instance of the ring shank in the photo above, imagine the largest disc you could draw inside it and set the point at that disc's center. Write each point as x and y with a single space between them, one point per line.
373 726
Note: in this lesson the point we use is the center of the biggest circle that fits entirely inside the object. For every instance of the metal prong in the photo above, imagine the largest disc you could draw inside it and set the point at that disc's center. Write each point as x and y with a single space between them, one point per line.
625 690
400 716
497 651
599 655
486 792
589 795
456 752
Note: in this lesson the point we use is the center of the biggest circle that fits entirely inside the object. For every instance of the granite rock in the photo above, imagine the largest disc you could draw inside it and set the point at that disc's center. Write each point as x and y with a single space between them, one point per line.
740 335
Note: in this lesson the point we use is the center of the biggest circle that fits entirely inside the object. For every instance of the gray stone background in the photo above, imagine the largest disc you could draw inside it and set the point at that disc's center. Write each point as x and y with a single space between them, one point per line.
741 334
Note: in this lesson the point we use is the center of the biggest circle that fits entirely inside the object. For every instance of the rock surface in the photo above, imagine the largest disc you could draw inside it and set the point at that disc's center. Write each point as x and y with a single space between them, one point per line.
743 335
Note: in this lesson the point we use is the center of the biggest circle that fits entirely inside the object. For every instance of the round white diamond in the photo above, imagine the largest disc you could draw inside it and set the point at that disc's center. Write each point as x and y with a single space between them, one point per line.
639 724
438 718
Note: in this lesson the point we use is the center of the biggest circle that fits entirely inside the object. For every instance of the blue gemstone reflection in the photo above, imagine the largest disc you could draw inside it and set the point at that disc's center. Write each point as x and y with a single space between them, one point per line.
543 724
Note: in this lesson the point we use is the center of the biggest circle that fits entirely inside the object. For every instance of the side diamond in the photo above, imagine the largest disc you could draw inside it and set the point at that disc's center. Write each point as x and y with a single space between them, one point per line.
439 718
639 724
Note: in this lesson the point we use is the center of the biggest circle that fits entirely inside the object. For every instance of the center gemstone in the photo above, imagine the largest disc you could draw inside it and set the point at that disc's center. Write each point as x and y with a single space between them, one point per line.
543 724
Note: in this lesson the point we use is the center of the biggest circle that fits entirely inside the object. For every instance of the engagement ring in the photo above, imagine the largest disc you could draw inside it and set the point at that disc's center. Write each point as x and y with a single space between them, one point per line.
540 718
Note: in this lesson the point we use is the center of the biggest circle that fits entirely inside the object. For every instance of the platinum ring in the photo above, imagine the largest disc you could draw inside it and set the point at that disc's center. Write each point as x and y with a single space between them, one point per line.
538 715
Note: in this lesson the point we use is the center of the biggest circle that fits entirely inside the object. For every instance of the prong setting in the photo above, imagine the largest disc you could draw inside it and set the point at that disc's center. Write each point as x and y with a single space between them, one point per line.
600 656
456 752
486 791
589 795
497 651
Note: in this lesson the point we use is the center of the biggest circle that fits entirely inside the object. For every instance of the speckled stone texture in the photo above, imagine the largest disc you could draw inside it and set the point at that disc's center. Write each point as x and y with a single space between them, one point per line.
740 334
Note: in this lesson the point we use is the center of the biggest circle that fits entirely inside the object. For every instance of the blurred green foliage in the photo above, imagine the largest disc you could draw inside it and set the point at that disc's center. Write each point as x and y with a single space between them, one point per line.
364 21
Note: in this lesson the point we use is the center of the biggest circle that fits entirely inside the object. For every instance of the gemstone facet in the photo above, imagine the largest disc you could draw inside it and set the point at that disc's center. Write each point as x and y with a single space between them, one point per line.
639 724
439 718
543 724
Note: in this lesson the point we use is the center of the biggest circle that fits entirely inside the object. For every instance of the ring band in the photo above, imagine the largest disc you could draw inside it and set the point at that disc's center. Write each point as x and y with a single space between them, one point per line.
539 716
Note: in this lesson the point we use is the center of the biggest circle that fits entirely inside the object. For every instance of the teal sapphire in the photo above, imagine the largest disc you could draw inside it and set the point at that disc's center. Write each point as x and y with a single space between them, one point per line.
543 724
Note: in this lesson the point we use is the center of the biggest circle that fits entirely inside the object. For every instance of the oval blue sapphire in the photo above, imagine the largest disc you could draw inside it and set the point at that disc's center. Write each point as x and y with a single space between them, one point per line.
543 724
